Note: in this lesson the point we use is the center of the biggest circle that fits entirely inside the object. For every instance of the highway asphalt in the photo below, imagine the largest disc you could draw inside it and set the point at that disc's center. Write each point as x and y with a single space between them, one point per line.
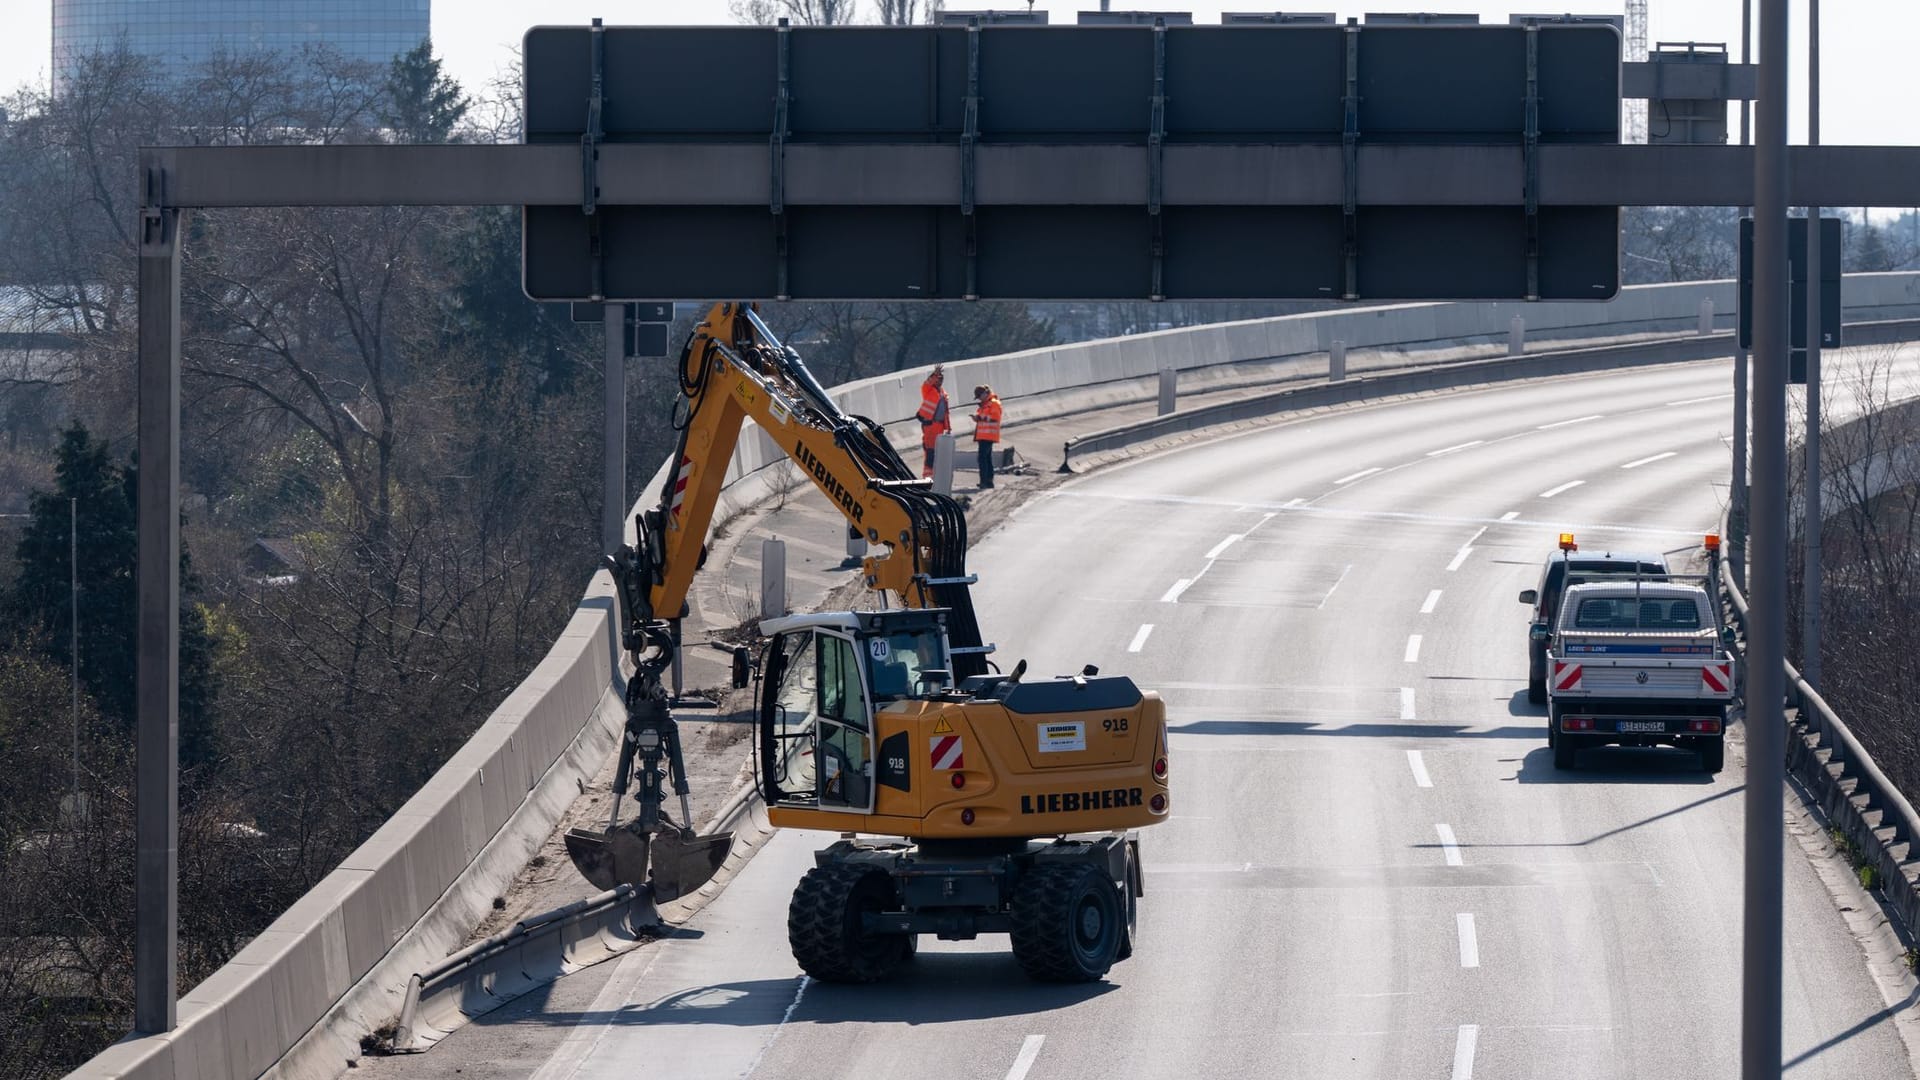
1373 869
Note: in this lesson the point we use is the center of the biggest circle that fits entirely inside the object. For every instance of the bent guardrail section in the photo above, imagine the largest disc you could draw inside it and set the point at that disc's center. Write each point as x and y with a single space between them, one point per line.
1854 794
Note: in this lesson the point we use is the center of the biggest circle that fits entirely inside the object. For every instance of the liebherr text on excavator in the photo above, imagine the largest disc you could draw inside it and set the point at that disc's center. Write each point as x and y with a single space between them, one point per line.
968 801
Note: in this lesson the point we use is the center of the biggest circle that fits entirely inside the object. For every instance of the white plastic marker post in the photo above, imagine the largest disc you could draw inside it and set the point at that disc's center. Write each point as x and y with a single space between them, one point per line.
1140 637
1469 941
1419 767
1449 846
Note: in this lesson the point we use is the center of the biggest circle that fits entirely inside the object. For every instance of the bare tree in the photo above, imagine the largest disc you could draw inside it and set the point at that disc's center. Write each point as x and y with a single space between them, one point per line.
909 12
798 12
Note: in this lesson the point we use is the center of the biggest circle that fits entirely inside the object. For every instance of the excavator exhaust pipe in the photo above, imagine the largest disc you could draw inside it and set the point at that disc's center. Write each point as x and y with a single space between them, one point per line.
669 865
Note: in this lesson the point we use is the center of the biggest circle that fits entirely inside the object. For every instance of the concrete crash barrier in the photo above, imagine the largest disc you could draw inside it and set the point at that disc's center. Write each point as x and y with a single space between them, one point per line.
537 950
1826 757
1098 446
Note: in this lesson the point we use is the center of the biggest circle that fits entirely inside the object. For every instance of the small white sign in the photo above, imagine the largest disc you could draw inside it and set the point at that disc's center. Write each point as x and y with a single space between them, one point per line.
1062 738
879 649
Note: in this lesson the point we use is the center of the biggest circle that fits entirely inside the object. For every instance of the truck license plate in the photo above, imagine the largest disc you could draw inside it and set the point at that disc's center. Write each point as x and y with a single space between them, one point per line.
1643 725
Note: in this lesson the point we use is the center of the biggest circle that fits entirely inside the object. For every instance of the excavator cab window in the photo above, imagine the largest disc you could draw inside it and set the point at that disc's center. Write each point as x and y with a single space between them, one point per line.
817 723
899 659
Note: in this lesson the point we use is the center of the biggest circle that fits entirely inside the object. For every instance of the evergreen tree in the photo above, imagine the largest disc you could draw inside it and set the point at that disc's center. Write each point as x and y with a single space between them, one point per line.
107 548
422 104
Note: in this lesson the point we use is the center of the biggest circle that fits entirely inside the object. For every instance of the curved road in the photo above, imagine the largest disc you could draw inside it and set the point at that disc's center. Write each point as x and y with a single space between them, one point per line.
1373 869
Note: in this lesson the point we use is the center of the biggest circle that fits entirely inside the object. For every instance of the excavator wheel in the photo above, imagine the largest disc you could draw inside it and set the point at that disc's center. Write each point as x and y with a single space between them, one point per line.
1068 923
824 926
1130 897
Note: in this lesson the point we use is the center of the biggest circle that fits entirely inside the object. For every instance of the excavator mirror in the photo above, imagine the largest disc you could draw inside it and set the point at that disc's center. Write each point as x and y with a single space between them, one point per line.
742 667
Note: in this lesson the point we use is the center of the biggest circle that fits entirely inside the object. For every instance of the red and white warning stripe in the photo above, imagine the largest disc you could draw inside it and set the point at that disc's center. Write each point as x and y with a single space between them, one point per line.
947 752
680 485
1566 676
1716 678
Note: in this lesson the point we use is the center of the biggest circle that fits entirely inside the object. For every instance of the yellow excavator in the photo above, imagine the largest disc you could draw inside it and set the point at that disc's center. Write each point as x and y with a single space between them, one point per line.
968 801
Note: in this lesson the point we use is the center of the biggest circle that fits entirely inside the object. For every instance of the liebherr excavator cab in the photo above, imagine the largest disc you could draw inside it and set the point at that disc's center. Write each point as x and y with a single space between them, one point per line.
863 731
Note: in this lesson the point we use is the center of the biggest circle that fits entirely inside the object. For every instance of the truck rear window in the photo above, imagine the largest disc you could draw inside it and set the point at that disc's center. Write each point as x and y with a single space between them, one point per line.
1627 613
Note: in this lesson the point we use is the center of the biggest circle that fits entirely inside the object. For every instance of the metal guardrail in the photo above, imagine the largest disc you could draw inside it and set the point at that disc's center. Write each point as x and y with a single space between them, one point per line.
1824 753
1675 350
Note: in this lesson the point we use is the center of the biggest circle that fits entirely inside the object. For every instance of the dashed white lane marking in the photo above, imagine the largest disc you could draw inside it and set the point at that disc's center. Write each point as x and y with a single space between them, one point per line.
1419 767
1432 601
1296 501
1449 846
1454 449
1140 637
1459 557
1649 460
1406 703
1348 569
1469 941
1562 489
1224 545
1029 1053
1173 594
1509 515
1700 400
1463 1051
1566 423
1351 477
1413 648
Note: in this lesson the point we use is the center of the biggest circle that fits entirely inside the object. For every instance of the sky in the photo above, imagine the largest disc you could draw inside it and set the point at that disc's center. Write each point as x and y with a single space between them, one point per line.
1870 80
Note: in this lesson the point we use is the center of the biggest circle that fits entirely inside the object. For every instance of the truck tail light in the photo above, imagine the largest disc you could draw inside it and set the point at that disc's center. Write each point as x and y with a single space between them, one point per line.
1704 727
1576 723
1160 768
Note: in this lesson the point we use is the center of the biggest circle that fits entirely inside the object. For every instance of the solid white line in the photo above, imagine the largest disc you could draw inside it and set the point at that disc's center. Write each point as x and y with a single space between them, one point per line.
1648 460
1509 515
1336 584
1459 557
1350 478
1433 601
799 993
1406 703
1173 594
1469 941
1463 1051
1563 488
1699 400
1419 767
1224 545
1295 501
1451 449
1030 1052
1564 423
1413 648
1448 845
1140 637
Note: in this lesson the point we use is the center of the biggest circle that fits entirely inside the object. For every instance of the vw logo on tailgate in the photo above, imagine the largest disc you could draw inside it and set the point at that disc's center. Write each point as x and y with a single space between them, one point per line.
1641 678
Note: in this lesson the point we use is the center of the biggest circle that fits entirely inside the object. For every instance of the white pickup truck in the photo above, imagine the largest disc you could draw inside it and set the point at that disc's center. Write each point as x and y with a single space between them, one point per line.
1639 663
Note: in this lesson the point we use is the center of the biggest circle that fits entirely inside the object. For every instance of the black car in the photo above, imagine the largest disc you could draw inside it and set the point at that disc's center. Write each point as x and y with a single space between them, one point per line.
1545 599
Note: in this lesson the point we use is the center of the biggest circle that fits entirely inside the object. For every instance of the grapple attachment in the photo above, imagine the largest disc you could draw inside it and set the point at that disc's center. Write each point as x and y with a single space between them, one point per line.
669 864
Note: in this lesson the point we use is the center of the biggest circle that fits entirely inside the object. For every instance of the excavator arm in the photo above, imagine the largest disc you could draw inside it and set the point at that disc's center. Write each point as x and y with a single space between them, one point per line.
732 370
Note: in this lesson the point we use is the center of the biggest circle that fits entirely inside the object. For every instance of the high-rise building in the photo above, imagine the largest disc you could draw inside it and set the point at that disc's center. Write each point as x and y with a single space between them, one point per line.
183 34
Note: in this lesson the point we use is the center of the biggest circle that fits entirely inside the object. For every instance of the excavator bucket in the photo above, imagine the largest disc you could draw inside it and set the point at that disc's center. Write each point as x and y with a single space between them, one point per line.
609 859
682 862
679 863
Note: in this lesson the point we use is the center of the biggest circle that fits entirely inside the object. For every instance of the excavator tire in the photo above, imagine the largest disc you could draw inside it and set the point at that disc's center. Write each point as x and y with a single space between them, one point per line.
1129 896
1068 923
823 926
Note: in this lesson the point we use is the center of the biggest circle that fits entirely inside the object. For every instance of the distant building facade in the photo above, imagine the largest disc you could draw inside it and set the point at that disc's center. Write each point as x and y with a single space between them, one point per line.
181 35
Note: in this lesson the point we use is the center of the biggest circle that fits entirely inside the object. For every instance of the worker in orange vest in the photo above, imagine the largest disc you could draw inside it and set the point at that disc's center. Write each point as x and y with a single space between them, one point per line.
933 414
986 430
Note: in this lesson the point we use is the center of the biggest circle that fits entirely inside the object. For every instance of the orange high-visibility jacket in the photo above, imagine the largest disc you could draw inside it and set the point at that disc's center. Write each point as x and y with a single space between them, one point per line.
933 412
986 422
